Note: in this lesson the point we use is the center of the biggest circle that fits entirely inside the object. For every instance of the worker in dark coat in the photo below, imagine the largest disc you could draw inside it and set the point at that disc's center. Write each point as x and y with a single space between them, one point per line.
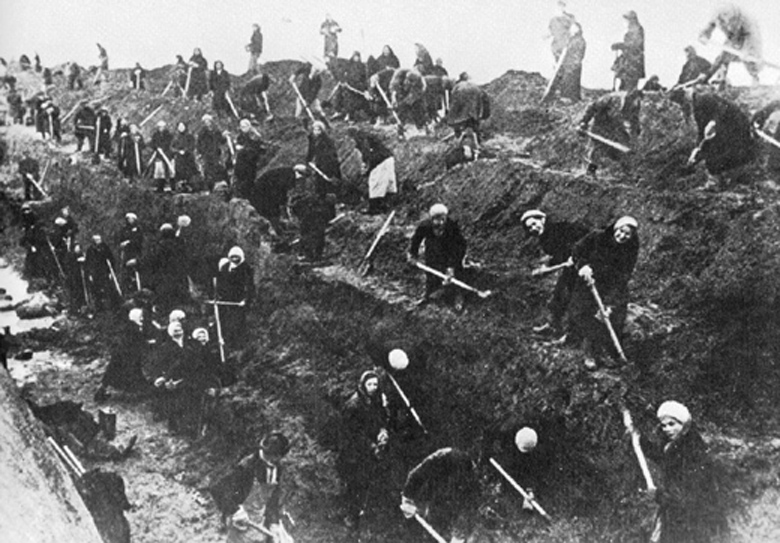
605 258
407 95
444 488
249 148
100 267
690 504
350 99
445 249
252 493
269 193
759 121
742 35
183 152
363 441
103 125
615 116
556 239
34 241
130 348
423 63
48 120
379 83
439 69
169 352
379 165
16 106
138 77
314 205
694 68
29 168
84 126
308 80
387 59
629 66
131 146
469 106
167 269
725 133
255 48
436 89
199 84
74 76
569 76
322 155
253 97
131 243
235 284
330 31
209 146
162 161
219 83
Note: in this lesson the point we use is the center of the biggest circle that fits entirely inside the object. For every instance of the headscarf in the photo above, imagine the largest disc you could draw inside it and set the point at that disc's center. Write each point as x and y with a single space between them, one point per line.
532 214
236 251
674 410
438 209
526 439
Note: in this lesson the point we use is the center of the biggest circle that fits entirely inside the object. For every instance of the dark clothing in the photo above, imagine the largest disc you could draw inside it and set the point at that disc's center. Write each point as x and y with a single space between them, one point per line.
407 88
138 78
446 479
209 148
256 42
372 149
195 372
249 149
629 66
558 240
99 263
441 252
269 193
124 370
84 127
161 145
322 153
234 487
74 77
383 61
363 419
103 124
690 510
183 150
469 105
29 166
131 241
609 114
423 63
309 85
234 285
48 121
330 29
34 241
529 469
612 264
167 272
219 82
251 101
733 144
348 100
314 210
130 160
198 82
693 68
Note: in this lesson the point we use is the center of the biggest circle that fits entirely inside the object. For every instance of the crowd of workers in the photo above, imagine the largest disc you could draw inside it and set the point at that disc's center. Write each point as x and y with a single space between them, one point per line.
182 364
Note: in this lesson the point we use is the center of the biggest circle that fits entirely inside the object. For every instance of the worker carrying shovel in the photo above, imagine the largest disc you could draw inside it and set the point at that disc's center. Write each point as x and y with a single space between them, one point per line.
611 123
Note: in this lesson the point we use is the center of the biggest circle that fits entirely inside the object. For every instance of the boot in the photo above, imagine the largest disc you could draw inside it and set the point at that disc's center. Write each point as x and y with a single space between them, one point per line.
107 423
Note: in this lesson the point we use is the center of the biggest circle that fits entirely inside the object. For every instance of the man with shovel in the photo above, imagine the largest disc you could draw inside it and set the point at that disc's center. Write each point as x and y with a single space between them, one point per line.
615 121
445 248
556 240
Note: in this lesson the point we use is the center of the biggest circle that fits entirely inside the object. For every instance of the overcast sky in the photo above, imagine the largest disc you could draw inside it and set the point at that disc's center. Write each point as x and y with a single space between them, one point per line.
483 37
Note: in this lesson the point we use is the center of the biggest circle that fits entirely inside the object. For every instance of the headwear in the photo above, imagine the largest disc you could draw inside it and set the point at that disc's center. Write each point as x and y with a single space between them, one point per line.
161 124
631 15
166 227
177 315
244 123
674 410
438 209
136 314
275 444
370 374
173 326
207 117
690 49
198 331
59 221
526 439
131 216
532 214
626 221
318 123
236 251
398 359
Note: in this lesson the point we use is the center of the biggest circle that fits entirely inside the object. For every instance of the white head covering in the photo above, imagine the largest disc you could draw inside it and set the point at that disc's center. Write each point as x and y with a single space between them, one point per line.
161 124
532 214
244 123
173 326
438 209
626 221
129 216
674 410
207 117
177 315
236 251
526 439
136 314
198 331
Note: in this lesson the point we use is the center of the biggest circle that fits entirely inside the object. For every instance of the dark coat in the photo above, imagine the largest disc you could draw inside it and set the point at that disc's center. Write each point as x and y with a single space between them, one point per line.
84 124
733 145
97 259
322 152
362 420
442 252
693 68
209 142
249 148
183 149
559 238
690 509
270 190
256 42
609 113
198 80
167 268
372 149
135 238
162 139
445 478
631 62
130 161
233 487
219 83
309 85
612 263
468 103
236 285
124 370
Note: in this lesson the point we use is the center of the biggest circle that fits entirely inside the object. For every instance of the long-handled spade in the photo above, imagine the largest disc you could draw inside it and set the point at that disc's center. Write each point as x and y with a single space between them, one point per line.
520 490
605 319
398 360
365 262
457 282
